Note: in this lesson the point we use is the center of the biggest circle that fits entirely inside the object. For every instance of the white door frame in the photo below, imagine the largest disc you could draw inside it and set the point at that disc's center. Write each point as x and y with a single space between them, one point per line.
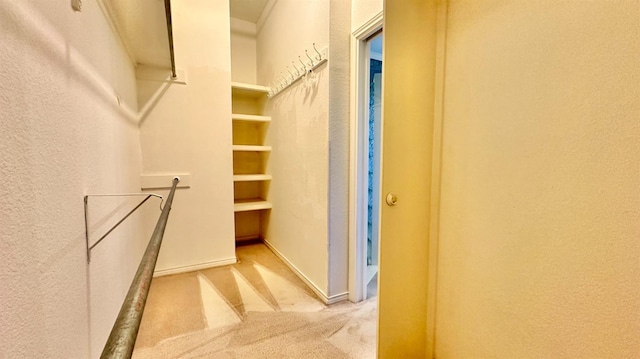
357 165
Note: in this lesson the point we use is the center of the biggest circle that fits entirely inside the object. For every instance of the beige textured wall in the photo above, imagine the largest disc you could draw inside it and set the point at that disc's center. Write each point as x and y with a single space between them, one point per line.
539 250
298 225
364 10
309 135
188 129
63 134
243 51
338 211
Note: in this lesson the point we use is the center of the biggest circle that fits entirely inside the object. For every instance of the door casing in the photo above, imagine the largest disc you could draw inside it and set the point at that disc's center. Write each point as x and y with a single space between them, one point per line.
357 163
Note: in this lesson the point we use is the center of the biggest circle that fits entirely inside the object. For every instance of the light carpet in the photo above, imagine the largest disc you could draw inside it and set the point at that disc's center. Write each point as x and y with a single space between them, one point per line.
256 308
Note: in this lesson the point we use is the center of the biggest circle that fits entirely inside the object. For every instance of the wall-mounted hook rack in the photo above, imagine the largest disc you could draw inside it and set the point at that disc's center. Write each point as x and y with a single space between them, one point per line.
282 82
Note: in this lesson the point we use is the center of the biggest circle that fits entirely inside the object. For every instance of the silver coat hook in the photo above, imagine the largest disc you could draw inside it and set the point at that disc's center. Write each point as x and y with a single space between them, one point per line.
319 57
303 64
295 68
290 73
309 57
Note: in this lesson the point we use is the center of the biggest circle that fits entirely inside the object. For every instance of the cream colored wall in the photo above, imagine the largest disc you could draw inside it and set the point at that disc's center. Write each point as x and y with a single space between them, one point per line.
63 135
364 10
539 253
298 224
338 210
309 135
243 51
189 130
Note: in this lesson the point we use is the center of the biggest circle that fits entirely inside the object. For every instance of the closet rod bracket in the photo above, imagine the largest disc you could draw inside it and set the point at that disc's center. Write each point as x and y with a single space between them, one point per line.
86 215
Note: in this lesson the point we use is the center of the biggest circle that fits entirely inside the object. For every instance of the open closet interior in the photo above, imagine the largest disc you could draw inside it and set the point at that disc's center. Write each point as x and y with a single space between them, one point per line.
249 128
286 181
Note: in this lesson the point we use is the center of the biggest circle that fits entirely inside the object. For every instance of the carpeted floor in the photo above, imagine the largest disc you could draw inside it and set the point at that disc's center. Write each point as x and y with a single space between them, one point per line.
256 308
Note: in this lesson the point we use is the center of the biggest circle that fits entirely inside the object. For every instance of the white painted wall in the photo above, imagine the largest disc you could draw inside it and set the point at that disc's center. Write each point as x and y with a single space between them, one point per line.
299 162
188 129
338 211
62 135
362 11
243 51
310 139
539 253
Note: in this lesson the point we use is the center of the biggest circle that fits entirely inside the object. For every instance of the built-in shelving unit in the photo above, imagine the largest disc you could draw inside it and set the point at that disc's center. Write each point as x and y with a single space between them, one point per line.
250 155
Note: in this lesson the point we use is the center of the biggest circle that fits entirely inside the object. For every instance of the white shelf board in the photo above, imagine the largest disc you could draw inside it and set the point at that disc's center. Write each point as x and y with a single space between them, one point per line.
250 118
256 177
164 180
251 148
249 87
249 90
253 204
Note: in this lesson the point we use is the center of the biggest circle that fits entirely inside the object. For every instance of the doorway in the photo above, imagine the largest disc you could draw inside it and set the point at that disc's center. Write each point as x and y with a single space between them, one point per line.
371 151
365 159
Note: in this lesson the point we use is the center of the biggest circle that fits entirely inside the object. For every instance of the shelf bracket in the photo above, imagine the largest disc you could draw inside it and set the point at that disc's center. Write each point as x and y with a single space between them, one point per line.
86 216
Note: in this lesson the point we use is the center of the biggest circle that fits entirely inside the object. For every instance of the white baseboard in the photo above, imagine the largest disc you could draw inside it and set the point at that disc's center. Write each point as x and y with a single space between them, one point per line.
195 267
337 298
328 300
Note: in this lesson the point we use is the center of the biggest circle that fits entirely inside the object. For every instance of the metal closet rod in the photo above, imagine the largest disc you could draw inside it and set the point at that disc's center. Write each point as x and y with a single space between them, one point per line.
167 12
125 330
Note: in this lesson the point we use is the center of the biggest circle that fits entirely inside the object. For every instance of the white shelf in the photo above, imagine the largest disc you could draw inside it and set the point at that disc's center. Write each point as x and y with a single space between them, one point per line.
251 148
248 90
247 178
250 118
253 204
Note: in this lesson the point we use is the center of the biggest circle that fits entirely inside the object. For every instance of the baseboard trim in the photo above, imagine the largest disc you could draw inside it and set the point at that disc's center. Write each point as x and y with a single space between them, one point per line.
195 267
337 298
328 300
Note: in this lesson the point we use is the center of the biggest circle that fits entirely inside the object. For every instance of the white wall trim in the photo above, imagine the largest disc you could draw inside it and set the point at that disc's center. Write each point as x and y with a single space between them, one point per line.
369 27
357 258
195 267
336 298
328 300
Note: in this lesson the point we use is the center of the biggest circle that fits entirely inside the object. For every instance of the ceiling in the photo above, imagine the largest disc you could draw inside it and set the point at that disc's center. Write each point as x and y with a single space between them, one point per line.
248 10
